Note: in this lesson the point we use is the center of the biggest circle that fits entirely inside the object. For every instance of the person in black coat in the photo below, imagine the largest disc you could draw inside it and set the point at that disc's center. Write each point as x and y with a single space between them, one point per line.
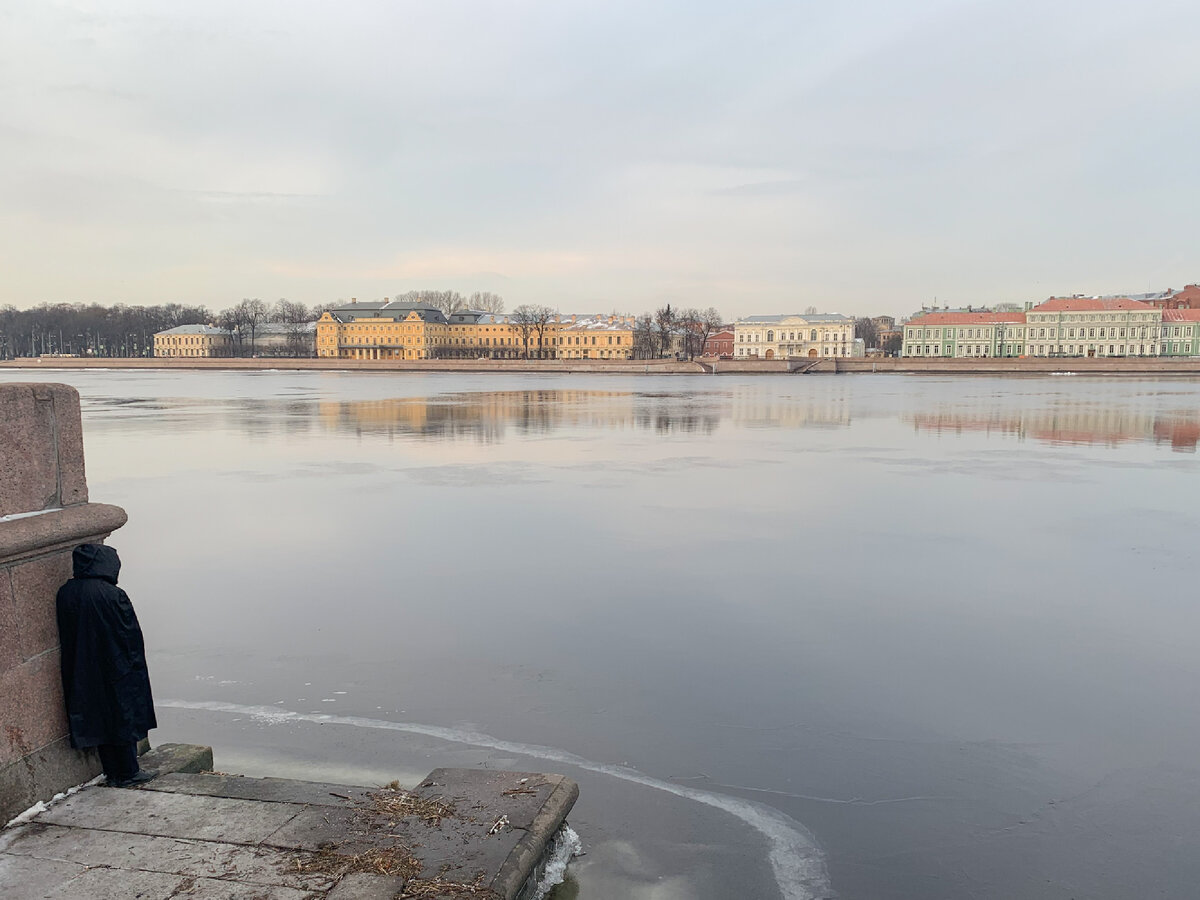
106 684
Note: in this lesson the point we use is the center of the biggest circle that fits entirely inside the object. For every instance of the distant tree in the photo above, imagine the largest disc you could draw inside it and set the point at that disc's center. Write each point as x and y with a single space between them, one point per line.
867 330
446 301
79 329
542 317
687 326
524 320
707 322
645 338
288 313
664 324
250 314
893 344
486 301
296 319
810 310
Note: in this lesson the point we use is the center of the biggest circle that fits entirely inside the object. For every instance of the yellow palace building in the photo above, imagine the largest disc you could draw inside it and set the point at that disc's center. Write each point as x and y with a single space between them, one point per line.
384 329
380 330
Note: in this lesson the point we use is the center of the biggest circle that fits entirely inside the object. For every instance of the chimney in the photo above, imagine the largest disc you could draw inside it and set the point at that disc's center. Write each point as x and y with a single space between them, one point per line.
353 299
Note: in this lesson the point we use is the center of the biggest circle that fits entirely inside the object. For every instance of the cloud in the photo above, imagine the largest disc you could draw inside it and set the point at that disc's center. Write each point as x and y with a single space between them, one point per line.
860 157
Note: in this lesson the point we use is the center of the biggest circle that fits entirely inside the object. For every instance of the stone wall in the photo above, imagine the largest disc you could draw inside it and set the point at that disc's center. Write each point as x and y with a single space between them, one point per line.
44 514
592 366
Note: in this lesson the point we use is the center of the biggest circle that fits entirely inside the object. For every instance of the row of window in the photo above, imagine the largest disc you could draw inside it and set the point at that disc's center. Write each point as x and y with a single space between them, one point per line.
825 351
1053 350
534 341
1096 317
791 336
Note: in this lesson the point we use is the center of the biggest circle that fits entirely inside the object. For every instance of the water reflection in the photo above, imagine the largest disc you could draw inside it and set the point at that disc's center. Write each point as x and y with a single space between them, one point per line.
486 416
1070 424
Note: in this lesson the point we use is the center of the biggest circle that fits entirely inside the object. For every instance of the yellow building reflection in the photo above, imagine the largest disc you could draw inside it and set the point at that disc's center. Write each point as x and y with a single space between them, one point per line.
488 416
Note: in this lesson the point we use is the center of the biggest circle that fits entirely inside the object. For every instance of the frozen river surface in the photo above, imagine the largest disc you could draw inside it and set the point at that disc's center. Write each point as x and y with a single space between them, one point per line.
873 637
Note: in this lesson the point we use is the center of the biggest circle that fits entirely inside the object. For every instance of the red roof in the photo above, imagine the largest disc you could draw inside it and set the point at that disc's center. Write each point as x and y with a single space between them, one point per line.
966 318
1181 315
1082 304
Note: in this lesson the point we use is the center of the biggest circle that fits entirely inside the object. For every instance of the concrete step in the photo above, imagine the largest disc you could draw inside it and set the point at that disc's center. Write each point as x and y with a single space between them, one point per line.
230 836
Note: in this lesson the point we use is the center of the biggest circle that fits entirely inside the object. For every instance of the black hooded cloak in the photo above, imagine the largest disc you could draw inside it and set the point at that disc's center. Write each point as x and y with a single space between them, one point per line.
105 681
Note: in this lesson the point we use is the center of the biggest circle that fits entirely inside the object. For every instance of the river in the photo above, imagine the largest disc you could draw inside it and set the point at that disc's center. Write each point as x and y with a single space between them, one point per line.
872 637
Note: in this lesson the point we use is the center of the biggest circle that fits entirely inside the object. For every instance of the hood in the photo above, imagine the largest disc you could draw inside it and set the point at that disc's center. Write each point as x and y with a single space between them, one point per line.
96 561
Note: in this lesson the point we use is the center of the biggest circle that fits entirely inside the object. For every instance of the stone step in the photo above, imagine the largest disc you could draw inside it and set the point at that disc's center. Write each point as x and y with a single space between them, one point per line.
232 836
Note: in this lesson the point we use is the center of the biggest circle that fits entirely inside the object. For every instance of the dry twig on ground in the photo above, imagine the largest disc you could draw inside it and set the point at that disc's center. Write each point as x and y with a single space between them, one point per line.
377 861
396 803
437 887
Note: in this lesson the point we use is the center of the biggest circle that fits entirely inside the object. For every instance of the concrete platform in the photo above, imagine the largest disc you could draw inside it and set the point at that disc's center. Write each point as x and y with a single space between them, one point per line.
202 836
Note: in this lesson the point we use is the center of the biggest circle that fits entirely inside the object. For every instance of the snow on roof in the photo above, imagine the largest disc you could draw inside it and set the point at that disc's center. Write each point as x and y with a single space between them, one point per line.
1088 304
193 329
967 318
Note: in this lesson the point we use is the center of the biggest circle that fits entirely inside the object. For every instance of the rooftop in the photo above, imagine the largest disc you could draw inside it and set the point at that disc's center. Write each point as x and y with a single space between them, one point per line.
968 318
193 329
813 318
379 309
1088 304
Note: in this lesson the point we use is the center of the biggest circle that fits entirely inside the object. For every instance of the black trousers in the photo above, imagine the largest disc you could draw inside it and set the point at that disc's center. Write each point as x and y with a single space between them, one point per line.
119 760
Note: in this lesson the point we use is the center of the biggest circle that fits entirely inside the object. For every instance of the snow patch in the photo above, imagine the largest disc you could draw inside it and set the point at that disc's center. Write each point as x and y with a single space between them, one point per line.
42 805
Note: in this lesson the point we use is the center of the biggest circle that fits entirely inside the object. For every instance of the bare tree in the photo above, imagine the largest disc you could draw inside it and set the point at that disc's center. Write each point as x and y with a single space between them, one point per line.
542 317
867 330
694 327
231 320
687 326
524 320
446 301
486 301
645 338
664 323
289 313
251 314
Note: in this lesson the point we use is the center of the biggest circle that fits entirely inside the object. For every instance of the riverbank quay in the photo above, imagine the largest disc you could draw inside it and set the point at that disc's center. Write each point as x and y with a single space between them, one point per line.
460 832
519 366
1137 366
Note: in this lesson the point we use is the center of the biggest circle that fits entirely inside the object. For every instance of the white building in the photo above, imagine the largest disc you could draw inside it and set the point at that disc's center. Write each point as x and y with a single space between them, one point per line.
790 336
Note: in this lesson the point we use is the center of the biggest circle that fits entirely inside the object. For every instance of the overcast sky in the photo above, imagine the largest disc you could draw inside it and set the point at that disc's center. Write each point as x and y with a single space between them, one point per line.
762 157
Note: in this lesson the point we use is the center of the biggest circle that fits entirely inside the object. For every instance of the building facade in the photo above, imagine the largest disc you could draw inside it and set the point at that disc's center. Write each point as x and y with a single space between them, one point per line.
595 337
782 337
193 341
1059 327
720 344
1093 326
285 339
381 330
388 330
965 334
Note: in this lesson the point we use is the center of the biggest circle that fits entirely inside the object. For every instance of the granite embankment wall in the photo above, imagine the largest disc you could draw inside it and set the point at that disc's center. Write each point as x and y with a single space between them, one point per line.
44 514
1026 366
824 366
545 366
